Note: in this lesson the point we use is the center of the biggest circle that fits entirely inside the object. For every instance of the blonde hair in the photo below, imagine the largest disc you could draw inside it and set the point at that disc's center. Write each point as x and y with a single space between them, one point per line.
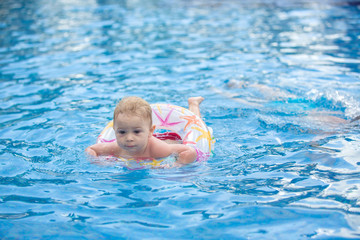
134 106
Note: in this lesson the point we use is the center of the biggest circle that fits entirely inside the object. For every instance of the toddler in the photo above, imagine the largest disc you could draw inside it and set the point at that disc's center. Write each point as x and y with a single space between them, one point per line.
134 134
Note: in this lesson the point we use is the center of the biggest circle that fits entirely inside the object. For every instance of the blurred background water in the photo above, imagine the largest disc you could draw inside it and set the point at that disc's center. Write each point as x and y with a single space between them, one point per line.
279 80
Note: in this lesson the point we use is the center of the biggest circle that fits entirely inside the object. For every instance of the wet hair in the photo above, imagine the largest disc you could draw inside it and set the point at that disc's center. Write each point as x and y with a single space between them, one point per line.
134 106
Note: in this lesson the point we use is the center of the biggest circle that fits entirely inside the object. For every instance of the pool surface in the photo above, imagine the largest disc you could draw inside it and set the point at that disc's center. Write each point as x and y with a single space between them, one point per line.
281 82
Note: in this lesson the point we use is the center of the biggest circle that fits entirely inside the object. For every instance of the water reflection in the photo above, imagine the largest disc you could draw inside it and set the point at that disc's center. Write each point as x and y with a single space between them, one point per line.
64 64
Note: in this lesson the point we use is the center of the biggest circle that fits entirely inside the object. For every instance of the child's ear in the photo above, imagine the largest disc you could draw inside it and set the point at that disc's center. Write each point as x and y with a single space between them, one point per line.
152 129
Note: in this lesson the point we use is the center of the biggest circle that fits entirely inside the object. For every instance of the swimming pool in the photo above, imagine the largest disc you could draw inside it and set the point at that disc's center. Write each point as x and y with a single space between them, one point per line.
274 76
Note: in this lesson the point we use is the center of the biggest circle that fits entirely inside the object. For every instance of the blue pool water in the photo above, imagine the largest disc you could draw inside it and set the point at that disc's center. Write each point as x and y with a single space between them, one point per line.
277 77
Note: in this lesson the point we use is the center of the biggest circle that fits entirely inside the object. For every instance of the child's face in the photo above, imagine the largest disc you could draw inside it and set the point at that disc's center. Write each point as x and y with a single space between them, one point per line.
132 133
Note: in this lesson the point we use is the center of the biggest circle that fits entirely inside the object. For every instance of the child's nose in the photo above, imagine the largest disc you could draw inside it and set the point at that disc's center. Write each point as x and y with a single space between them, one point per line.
129 137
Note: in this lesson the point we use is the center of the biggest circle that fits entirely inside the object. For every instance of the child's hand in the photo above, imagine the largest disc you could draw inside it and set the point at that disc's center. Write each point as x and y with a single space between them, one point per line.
91 152
187 156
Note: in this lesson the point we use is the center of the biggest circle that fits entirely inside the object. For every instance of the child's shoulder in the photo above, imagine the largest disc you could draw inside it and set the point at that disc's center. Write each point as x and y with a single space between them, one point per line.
155 143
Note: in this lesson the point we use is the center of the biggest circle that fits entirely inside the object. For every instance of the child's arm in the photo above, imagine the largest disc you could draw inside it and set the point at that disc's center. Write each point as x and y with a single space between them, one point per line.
101 149
185 154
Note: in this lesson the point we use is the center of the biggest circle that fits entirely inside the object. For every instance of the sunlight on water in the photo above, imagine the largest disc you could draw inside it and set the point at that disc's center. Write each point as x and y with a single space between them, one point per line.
281 87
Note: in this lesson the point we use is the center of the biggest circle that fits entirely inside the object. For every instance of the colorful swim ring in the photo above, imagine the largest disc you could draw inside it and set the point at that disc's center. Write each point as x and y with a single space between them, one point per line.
171 123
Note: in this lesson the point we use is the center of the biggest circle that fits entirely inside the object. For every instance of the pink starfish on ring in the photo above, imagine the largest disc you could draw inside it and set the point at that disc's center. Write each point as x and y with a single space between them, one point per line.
165 123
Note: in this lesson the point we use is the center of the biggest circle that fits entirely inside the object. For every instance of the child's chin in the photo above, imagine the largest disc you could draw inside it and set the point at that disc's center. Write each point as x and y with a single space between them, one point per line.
132 151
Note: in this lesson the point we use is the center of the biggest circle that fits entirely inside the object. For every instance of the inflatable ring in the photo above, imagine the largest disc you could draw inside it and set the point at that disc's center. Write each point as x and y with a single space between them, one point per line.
172 123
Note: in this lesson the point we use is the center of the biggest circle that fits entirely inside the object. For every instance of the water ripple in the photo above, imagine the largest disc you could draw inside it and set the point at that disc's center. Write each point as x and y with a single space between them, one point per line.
25 182
23 215
281 83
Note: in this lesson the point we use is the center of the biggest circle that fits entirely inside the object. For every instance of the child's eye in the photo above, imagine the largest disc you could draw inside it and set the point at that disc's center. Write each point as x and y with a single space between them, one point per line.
121 132
137 131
